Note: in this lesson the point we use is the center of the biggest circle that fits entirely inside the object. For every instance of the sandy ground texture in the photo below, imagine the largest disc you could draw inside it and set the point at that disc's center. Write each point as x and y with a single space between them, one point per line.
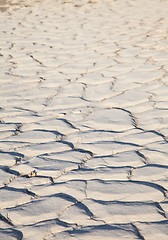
84 120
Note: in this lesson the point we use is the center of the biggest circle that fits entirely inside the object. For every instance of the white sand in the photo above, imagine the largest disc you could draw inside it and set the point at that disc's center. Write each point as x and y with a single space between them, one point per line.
84 120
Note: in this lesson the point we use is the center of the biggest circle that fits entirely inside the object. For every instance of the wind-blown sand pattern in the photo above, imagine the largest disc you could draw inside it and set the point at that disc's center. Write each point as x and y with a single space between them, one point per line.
84 120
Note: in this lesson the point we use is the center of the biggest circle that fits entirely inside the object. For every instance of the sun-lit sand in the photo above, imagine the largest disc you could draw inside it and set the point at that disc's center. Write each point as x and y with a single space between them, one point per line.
84 120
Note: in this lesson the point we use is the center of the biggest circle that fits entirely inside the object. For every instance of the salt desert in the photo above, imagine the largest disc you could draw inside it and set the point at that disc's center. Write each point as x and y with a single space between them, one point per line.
84 119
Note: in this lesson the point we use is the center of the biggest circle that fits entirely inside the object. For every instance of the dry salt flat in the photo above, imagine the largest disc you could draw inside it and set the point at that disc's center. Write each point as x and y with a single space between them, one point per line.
84 120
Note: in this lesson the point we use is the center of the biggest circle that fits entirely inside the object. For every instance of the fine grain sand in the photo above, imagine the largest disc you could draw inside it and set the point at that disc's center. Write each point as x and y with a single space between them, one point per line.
84 120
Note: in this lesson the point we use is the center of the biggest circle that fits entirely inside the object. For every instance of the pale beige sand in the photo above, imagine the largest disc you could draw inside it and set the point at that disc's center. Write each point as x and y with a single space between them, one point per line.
2 2
84 120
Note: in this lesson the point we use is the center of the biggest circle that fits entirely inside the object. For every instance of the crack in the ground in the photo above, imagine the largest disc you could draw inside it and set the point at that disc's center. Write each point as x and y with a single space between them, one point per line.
137 232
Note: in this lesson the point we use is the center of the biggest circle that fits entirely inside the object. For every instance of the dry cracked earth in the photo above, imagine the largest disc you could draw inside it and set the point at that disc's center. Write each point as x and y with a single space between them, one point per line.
84 120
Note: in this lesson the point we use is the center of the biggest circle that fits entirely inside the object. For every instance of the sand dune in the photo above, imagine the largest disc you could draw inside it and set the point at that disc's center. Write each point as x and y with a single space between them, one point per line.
83 120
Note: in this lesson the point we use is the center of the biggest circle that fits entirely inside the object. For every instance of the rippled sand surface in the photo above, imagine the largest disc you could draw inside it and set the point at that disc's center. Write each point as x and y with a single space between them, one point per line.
84 120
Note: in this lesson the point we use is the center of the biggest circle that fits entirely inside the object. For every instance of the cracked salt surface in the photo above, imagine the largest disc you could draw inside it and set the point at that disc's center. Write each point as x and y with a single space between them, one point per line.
83 120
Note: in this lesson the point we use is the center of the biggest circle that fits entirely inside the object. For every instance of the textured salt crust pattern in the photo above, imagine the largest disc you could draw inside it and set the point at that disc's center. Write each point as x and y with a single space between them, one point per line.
83 120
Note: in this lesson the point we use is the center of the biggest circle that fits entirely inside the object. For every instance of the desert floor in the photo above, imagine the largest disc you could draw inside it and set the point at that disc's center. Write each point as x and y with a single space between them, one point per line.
84 120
